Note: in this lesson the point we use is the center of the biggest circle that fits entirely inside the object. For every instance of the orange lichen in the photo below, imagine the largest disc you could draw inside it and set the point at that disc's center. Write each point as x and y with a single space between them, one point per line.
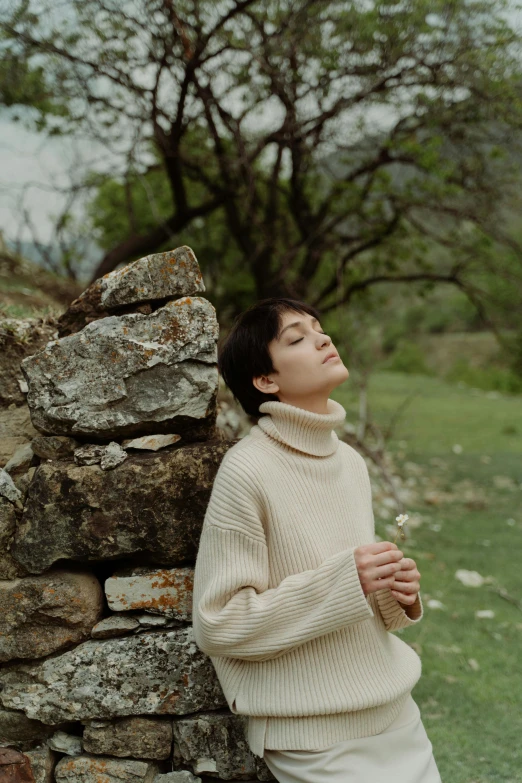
168 579
169 703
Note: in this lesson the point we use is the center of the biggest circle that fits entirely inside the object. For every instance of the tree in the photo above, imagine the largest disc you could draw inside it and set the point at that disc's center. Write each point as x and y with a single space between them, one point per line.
324 141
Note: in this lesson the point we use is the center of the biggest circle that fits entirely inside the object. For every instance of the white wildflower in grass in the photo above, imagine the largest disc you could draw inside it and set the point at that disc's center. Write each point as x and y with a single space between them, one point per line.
457 448
401 519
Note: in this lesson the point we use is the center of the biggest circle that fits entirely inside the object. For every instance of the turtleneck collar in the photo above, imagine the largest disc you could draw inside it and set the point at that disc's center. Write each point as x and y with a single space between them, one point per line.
301 429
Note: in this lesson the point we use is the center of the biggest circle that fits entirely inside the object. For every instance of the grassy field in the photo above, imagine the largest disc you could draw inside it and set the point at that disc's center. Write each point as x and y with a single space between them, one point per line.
470 692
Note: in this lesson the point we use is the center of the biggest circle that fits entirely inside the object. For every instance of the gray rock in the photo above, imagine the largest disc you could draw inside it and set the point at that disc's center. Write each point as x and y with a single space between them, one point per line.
114 626
43 762
43 614
19 337
171 274
8 488
107 457
90 454
216 744
19 731
159 591
151 442
156 673
129 375
62 742
113 455
15 430
158 276
9 567
178 776
94 769
154 503
20 461
139 737
54 446
152 621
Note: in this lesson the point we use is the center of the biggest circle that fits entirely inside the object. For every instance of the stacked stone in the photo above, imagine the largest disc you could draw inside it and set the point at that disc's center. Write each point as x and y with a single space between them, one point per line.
100 519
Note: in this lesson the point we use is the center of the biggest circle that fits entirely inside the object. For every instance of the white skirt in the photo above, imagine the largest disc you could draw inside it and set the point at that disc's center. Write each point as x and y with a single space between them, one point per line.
402 753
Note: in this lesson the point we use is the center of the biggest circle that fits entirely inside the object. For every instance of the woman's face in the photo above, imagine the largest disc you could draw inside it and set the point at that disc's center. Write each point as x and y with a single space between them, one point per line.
298 355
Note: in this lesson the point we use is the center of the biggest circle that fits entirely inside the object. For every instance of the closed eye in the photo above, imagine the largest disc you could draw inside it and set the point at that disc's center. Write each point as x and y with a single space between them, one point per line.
302 338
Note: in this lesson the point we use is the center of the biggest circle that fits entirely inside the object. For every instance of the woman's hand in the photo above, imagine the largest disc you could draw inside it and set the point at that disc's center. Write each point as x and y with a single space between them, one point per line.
406 582
377 564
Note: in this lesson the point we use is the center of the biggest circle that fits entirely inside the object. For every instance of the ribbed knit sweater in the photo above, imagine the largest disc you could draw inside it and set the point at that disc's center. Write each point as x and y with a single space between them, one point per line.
278 605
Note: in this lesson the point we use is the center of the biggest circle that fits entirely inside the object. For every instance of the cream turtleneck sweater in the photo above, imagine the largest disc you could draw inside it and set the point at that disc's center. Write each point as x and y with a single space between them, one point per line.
278 605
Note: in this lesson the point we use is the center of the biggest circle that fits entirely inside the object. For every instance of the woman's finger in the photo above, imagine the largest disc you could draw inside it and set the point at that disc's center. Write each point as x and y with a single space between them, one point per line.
407 564
408 576
404 598
406 587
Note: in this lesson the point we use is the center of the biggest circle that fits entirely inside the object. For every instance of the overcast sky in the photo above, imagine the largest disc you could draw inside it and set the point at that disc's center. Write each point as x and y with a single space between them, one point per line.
31 165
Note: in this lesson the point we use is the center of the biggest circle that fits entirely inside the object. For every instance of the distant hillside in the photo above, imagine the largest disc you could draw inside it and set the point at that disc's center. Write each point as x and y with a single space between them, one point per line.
90 253
27 290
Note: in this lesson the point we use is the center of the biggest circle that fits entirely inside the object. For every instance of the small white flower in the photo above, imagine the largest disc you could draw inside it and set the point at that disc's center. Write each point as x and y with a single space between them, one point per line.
401 519
457 448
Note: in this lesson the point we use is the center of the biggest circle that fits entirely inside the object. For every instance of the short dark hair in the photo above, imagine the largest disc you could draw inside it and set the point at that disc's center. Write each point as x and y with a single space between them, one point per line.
244 354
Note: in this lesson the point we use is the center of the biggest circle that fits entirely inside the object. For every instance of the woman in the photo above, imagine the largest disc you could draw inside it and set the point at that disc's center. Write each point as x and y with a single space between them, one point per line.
294 601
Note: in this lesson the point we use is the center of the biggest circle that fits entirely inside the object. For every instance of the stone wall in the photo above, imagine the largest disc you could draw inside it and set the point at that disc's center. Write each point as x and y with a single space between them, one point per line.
102 499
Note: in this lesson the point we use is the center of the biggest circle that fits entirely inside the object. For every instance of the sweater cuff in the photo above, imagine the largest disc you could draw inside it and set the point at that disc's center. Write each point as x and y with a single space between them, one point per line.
395 615
358 607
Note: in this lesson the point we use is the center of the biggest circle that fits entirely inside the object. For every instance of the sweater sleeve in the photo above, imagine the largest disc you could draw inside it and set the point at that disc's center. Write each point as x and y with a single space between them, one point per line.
235 613
393 613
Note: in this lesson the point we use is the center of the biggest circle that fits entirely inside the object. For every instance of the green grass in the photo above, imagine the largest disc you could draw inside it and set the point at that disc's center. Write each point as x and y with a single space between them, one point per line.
473 717
24 311
440 414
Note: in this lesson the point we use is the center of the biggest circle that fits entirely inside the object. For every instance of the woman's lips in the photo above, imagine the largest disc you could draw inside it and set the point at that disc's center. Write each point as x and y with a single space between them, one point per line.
332 359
